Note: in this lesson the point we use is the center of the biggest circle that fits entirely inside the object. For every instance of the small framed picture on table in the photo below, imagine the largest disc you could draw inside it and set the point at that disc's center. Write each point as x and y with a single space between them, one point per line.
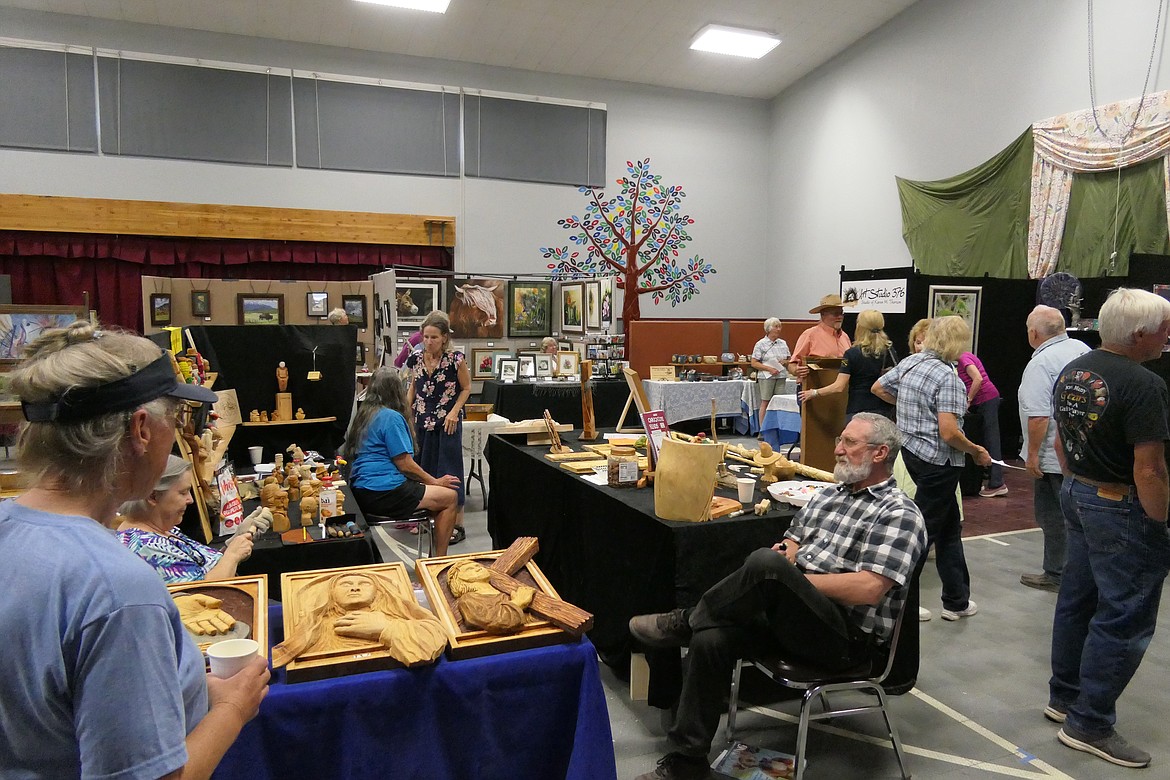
568 363
509 369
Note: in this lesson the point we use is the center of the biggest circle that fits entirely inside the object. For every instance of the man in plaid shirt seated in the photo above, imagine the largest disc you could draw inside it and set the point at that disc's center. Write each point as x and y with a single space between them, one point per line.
828 594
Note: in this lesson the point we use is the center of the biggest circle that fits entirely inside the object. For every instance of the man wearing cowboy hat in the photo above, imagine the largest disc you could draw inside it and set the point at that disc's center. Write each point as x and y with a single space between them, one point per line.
826 338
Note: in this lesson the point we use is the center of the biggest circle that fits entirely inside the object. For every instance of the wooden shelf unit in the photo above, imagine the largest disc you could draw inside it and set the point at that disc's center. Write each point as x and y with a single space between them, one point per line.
305 421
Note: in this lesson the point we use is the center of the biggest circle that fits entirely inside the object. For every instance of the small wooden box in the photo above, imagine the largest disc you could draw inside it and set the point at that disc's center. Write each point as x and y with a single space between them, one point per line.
244 598
304 590
478 412
467 642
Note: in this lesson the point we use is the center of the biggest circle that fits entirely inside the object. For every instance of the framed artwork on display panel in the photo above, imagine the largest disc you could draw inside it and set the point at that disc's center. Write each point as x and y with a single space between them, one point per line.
201 303
529 309
477 307
573 307
593 305
317 304
546 364
160 309
415 299
355 309
260 308
964 302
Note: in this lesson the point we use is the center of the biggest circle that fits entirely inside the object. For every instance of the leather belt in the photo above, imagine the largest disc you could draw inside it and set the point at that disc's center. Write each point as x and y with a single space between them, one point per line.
1118 488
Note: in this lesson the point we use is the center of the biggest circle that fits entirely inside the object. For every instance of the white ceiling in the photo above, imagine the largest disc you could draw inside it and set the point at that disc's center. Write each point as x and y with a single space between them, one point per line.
643 41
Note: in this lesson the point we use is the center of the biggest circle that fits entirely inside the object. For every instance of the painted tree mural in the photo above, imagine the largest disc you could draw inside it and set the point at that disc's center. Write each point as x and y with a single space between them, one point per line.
636 236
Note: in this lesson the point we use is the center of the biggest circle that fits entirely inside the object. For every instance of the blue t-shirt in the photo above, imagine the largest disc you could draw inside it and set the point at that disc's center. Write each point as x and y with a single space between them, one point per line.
386 439
98 677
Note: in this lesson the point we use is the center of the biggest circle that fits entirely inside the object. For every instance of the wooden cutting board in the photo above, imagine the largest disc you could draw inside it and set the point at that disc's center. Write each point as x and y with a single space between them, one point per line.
721 507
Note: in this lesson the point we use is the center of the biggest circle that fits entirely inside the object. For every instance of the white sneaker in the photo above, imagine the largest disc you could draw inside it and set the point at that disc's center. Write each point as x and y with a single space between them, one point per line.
924 614
949 614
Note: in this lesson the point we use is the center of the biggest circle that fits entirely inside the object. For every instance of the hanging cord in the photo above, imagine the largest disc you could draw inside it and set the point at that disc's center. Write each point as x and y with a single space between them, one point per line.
1133 125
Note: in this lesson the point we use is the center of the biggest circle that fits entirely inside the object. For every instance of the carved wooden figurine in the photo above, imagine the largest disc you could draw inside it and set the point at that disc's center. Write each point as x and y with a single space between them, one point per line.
293 483
264 416
300 413
254 416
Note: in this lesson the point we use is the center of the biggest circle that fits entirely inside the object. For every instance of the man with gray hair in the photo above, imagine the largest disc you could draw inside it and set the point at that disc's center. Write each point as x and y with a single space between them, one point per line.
1111 418
828 594
1053 350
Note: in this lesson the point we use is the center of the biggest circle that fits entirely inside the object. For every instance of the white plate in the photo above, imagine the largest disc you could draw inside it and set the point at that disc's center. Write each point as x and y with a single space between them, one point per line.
264 468
795 492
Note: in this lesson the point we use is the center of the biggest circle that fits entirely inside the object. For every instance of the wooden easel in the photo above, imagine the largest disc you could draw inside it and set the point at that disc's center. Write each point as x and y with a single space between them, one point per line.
637 398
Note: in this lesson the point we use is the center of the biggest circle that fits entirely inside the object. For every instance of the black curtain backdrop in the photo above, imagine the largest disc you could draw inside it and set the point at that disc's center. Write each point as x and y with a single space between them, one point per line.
1004 308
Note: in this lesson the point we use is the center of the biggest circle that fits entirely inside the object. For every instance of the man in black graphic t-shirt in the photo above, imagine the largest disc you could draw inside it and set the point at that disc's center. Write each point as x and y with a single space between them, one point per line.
1111 417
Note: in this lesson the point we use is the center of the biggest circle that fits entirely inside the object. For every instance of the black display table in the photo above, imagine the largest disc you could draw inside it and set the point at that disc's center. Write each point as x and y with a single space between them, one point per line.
526 400
604 550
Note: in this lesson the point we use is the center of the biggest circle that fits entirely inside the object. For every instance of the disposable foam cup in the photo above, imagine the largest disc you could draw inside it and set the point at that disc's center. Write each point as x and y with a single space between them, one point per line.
231 655
256 454
746 488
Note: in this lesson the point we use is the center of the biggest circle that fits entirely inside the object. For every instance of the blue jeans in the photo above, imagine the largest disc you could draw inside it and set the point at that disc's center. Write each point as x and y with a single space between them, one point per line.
1117 560
1050 518
989 414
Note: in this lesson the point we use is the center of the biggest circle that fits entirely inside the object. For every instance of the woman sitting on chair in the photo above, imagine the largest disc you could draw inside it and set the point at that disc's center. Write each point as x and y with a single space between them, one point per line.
384 477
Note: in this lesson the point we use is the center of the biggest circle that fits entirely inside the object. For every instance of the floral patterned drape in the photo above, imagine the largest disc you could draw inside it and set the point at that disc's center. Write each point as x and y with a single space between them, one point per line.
1071 143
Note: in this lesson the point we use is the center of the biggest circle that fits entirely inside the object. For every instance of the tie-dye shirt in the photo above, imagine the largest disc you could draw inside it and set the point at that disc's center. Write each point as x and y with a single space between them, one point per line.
177 558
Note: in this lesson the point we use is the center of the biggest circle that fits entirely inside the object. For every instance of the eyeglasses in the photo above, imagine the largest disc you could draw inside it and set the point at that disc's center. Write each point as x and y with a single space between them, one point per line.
181 415
850 442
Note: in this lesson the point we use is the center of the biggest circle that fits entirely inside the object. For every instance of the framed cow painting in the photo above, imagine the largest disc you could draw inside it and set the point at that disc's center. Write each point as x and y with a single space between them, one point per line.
477 307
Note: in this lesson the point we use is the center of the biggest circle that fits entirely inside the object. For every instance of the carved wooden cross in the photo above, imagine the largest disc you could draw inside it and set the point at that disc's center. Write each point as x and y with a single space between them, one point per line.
560 613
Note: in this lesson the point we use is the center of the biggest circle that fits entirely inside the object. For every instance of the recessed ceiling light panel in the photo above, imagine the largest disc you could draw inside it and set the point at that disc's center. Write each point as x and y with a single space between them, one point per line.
734 41
434 6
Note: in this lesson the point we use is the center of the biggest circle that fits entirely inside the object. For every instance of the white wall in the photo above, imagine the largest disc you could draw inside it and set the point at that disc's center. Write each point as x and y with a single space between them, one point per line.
936 91
712 145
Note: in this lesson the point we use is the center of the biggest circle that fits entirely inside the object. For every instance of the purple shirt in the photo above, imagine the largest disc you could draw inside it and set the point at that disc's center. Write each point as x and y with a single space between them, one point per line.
987 390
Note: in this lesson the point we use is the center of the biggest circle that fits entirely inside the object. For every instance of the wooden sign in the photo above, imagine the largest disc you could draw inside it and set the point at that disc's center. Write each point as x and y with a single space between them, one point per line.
663 374
244 598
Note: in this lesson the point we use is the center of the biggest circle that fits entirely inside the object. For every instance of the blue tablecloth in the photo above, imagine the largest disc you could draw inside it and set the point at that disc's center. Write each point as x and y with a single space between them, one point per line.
529 714
781 421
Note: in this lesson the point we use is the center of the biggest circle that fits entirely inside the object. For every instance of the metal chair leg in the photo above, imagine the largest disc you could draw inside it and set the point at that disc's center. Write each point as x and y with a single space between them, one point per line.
802 732
893 730
733 704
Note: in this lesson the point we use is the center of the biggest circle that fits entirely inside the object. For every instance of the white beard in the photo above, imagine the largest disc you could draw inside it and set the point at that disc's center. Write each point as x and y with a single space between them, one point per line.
846 472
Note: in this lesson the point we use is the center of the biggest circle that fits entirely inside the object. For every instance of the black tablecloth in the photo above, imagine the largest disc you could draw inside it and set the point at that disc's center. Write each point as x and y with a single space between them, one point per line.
604 550
528 400
272 556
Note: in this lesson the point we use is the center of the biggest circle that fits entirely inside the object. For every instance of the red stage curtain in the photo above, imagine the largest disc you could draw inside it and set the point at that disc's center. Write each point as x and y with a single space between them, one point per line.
56 268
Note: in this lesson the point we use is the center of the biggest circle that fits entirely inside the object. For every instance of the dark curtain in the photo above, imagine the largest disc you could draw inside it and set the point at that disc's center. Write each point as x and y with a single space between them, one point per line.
58 268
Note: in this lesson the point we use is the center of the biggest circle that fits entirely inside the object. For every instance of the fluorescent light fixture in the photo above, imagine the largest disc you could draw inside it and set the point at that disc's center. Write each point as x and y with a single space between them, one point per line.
734 41
434 6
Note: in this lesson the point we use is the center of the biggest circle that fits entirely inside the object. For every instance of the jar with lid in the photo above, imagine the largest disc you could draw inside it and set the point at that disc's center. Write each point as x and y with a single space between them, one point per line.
622 466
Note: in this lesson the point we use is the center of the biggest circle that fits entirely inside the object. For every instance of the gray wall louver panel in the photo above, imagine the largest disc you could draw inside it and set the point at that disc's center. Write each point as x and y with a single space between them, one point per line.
185 112
366 127
529 141
46 100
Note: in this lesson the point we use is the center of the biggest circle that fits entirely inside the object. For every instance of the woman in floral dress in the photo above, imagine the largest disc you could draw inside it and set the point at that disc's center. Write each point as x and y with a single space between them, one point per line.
440 385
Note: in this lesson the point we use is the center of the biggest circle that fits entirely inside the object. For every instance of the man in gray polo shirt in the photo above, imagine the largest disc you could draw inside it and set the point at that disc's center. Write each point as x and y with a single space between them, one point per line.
1053 351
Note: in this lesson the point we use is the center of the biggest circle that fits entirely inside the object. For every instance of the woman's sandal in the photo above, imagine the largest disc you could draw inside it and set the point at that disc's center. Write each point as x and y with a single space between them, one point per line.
457 535
404 526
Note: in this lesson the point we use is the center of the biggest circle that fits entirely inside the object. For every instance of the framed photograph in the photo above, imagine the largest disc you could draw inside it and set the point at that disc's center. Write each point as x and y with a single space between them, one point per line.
260 308
573 307
607 302
20 325
568 363
565 346
946 300
481 364
529 309
509 369
160 309
414 300
477 307
499 356
546 364
593 305
355 309
600 368
201 303
527 366
317 304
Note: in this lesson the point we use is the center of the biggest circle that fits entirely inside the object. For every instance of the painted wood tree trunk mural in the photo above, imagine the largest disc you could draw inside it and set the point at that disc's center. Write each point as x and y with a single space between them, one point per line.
635 236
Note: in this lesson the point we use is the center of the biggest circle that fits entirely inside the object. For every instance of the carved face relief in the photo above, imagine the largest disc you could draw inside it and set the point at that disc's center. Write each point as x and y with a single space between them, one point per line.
353 591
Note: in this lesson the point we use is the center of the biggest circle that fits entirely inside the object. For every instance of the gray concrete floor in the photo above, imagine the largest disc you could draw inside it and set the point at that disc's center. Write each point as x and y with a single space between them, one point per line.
976 712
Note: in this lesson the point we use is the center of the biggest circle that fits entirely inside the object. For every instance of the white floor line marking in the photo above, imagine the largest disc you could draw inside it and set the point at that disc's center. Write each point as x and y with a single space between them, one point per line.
1045 771
1001 533
997 541
401 551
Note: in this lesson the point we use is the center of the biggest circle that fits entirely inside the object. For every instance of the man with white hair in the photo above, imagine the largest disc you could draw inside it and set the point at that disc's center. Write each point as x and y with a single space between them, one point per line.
828 594
1111 418
1053 350
770 360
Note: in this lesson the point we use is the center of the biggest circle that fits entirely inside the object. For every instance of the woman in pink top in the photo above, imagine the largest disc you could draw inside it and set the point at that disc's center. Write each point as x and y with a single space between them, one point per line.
983 398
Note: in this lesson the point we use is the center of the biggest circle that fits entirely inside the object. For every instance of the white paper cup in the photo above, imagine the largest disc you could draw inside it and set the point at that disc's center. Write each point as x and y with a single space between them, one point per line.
746 488
231 655
256 454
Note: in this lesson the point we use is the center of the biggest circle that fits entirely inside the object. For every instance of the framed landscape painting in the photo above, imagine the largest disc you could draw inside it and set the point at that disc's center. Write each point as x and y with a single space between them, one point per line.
160 309
947 300
355 309
573 307
530 309
317 304
260 309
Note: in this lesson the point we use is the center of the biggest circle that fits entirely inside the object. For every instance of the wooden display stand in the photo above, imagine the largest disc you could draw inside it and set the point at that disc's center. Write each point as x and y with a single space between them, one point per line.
284 407
637 399
822 420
